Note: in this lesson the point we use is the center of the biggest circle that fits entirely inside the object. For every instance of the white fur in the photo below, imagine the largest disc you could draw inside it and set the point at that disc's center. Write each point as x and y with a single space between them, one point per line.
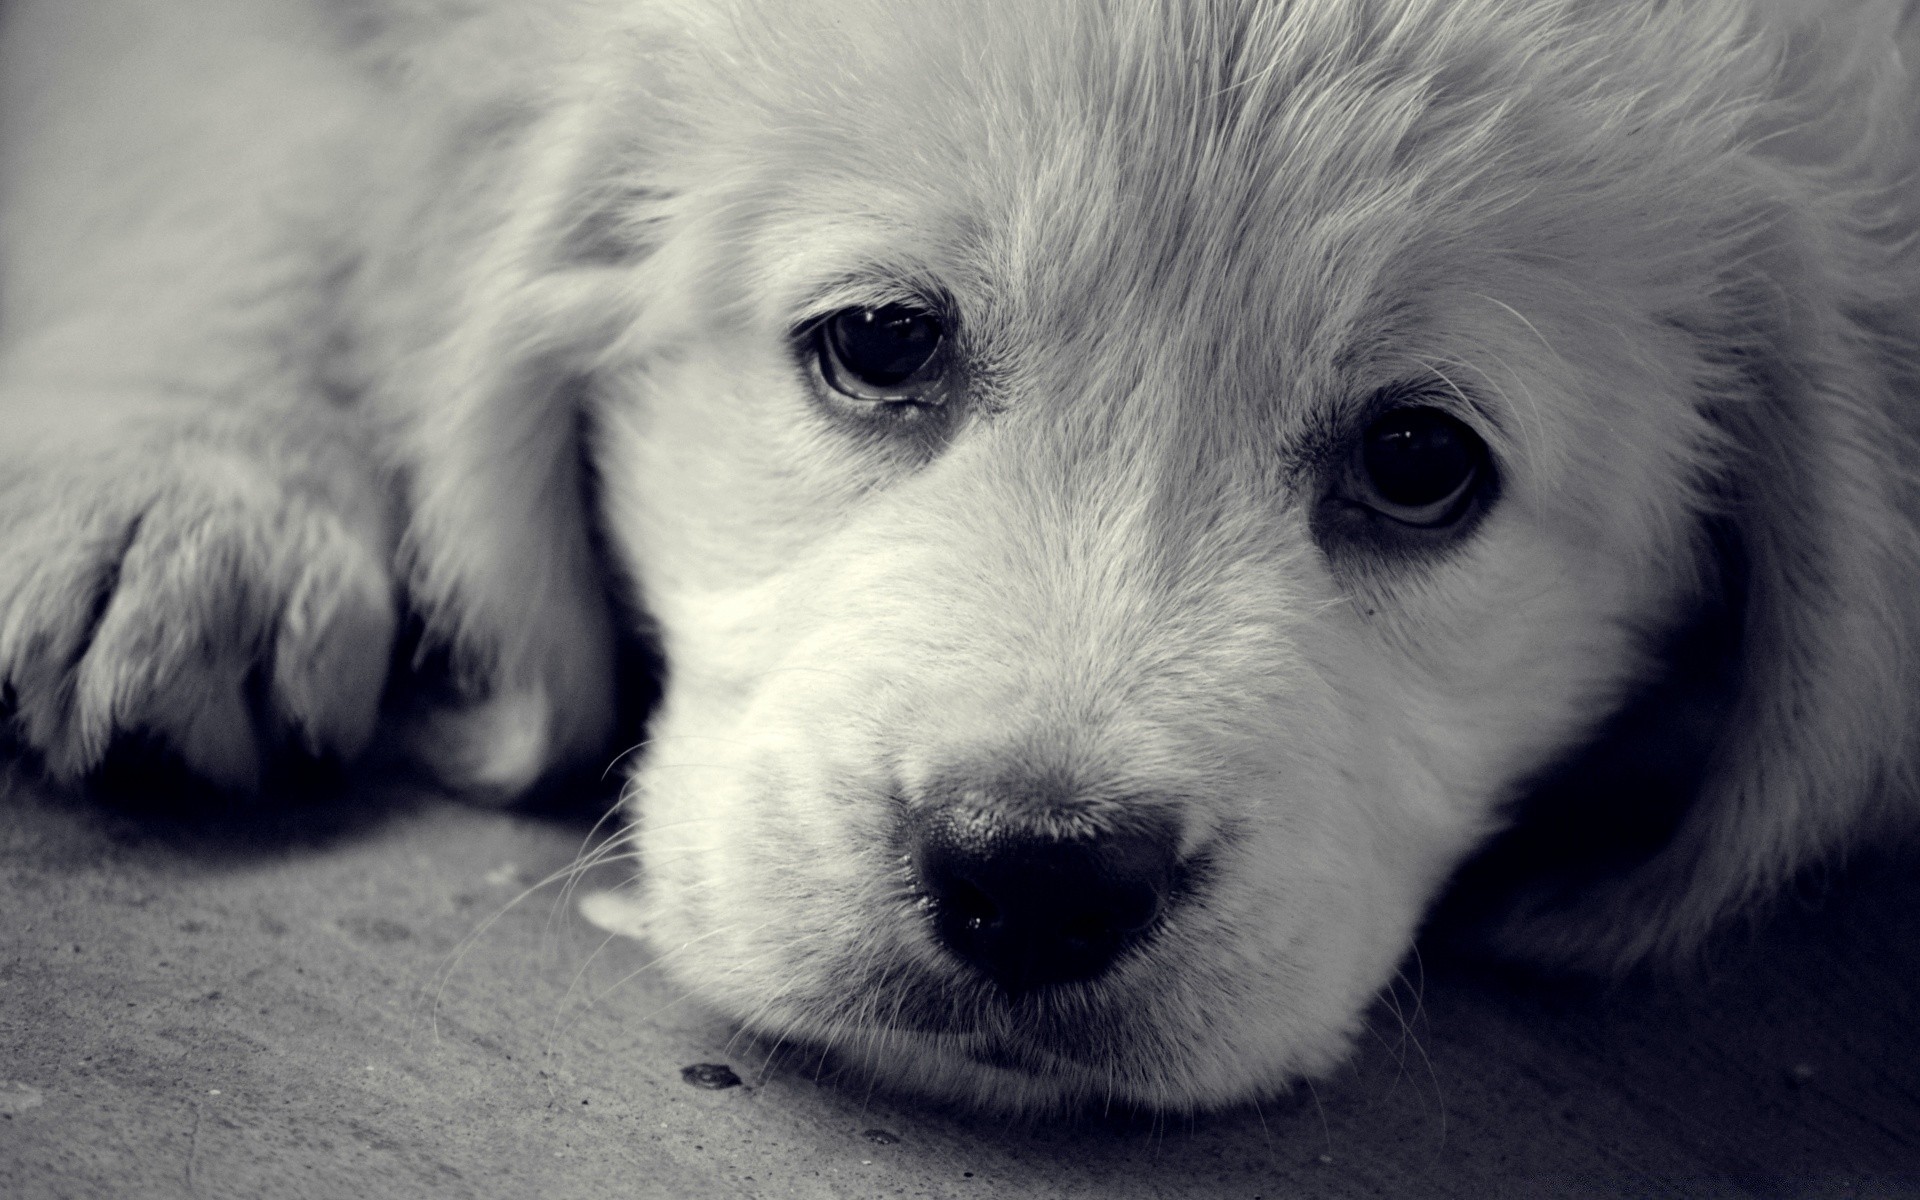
312 313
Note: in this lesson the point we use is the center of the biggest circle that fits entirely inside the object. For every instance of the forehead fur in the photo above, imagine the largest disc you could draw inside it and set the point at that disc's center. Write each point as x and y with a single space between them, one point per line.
1068 144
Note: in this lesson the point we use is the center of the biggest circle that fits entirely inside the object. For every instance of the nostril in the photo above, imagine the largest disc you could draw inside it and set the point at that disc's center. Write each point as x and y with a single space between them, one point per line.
1134 906
1030 907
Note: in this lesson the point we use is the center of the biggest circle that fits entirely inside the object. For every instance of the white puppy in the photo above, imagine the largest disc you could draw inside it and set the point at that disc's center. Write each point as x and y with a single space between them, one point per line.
1131 494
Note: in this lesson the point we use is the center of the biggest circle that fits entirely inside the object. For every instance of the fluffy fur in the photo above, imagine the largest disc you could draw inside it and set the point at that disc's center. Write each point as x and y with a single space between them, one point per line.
320 321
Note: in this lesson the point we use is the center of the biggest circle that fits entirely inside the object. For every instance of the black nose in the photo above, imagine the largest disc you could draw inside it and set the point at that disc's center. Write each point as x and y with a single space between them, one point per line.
1032 907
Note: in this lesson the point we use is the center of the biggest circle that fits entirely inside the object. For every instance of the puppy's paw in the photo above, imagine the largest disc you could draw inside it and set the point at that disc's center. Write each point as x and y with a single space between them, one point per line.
504 737
489 751
502 709
205 601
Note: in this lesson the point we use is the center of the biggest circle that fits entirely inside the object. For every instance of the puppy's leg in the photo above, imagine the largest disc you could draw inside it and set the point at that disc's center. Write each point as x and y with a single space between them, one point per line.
501 565
194 538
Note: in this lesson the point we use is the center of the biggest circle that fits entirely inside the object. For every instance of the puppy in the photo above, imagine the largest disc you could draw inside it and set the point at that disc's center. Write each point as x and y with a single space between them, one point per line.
1130 496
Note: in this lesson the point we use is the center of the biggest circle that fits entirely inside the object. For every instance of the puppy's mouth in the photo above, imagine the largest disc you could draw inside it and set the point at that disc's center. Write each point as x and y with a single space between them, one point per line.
1056 1039
1020 1059
944 1000
1011 1077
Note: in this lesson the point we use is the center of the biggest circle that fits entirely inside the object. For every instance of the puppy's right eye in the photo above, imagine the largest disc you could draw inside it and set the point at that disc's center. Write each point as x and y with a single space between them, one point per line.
888 354
1420 466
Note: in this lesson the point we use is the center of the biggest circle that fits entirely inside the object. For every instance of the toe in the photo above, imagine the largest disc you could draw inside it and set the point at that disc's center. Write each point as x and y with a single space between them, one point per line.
334 646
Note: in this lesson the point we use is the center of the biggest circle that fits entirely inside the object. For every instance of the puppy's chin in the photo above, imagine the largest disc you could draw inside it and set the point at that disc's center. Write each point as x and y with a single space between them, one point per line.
1017 1078
1018 1074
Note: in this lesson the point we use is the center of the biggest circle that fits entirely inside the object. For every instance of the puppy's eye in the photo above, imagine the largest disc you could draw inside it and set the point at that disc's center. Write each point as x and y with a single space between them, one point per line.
890 353
1420 467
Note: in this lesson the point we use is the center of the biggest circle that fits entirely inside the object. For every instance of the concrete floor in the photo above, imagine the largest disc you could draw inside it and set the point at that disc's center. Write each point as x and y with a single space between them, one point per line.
351 1003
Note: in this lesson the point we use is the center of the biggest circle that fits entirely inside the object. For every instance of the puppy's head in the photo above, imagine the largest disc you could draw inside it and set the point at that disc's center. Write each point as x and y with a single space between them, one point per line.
1131 496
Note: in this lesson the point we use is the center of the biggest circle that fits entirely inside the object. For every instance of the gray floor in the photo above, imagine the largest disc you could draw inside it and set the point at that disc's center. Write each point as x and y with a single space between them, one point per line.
355 1007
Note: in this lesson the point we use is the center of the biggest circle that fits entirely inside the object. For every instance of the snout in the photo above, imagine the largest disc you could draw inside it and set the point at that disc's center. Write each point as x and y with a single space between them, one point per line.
1033 897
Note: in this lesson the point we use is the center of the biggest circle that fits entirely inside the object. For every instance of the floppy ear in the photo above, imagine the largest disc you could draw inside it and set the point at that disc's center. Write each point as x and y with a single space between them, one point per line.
501 560
1784 728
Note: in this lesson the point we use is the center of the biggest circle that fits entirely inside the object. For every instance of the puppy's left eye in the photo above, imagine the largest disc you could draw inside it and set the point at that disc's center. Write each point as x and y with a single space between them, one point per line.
890 353
1420 466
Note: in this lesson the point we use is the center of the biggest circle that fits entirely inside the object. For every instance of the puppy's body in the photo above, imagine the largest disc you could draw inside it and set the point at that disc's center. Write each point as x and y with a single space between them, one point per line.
312 315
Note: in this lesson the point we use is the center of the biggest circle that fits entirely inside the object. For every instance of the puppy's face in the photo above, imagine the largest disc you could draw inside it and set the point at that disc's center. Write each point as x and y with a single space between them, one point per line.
1126 499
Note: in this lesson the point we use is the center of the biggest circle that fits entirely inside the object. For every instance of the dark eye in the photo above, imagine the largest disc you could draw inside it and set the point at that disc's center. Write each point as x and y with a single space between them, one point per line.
1420 467
890 353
